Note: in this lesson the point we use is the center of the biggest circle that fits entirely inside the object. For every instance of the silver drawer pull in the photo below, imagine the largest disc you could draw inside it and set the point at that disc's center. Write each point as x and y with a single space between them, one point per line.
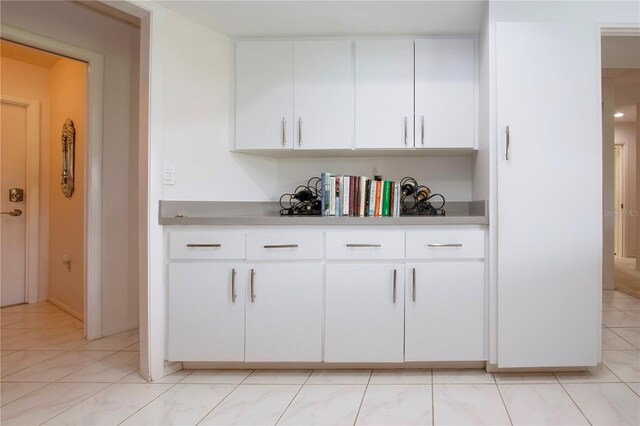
233 286
252 292
204 245
364 245
445 245
413 283
395 276
280 246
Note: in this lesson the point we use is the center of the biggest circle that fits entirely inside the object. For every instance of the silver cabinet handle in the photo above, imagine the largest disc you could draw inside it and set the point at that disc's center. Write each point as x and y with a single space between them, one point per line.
233 286
299 131
445 245
364 245
406 132
395 276
414 284
284 131
270 246
508 143
253 294
204 245
422 130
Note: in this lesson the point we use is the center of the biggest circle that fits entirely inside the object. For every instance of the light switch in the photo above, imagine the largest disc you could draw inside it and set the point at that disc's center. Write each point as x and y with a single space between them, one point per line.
168 177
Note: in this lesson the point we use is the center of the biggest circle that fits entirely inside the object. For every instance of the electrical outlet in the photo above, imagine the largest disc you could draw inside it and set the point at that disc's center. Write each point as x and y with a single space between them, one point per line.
168 175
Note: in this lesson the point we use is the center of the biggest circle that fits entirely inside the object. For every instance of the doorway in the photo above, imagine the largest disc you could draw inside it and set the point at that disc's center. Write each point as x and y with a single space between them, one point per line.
619 199
43 225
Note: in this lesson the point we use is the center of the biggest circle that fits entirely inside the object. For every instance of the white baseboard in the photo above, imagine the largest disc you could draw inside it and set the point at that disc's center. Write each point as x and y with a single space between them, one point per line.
120 329
66 308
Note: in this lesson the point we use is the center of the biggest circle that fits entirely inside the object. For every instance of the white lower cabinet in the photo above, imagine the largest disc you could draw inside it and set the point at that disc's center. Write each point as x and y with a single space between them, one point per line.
364 313
206 311
284 312
444 311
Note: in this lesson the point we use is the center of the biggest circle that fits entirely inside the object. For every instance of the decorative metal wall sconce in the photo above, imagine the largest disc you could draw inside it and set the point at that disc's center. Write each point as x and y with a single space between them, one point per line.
68 156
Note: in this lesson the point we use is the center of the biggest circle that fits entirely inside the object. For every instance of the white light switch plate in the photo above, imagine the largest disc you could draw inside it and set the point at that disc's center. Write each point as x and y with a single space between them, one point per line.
168 177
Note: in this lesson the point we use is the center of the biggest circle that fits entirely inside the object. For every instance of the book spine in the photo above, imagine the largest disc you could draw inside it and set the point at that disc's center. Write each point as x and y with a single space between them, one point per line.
372 198
392 195
352 190
339 184
345 196
385 199
396 207
356 194
378 208
363 195
332 196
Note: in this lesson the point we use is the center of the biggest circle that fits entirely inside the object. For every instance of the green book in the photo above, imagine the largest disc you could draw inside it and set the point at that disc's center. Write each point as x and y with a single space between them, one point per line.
386 197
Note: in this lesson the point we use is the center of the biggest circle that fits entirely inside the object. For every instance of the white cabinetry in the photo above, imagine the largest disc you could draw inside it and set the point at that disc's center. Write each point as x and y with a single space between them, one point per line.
549 263
264 94
364 314
206 311
444 93
444 311
284 312
384 93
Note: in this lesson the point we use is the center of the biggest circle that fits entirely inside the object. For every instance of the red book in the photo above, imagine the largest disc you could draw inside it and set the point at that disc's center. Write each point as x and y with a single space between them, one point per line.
356 198
378 210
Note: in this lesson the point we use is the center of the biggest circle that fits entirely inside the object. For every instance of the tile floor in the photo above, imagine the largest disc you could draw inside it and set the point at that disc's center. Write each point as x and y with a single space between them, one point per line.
51 375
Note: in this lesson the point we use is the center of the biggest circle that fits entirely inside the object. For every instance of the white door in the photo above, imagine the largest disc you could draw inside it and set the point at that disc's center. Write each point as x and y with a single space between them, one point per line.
13 169
264 95
549 198
284 312
323 76
206 311
364 314
384 93
444 104
444 311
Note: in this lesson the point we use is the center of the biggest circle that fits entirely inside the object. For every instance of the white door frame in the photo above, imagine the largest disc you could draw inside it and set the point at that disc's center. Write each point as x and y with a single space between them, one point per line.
93 172
32 200
620 189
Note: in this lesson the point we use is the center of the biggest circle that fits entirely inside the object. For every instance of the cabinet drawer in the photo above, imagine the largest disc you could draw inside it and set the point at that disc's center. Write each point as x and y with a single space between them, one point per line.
206 245
365 245
285 245
446 244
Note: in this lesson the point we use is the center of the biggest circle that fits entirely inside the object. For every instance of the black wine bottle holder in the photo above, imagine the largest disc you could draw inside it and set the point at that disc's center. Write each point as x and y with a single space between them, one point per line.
418 200
305 200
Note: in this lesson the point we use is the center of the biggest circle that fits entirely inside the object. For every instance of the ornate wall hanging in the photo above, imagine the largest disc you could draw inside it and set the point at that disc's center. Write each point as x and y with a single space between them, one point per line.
68 149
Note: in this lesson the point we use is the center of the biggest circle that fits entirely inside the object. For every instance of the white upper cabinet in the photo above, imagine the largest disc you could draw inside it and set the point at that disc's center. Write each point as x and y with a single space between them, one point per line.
444 93
549 148
264 95
323 93
384 94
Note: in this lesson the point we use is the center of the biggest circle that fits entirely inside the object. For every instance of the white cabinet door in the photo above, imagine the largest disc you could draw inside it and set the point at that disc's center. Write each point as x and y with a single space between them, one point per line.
323 76
549 258
444 90
384 93
444 311
364 315
284 312
206 312
264 95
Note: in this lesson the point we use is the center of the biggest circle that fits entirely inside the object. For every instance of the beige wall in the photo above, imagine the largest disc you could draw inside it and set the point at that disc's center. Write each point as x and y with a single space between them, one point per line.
32 82
625 133
608 196
66 215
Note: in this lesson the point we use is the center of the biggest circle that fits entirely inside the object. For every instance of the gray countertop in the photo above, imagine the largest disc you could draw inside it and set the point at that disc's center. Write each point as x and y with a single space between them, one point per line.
268 213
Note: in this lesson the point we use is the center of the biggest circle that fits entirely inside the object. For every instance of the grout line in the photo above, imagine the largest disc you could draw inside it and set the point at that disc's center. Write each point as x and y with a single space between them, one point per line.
504 404
138 410
223 399
294 397
79 402
363 395
572 400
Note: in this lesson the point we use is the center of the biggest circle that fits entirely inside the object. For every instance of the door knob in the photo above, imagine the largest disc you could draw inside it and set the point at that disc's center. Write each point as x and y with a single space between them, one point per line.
14 212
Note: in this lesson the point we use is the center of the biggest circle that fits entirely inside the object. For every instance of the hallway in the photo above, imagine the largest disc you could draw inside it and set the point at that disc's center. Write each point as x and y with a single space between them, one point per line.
626 276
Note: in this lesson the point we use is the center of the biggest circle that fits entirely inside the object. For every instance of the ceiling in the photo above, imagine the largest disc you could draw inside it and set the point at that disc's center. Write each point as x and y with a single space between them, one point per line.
333 18
26 54
626 83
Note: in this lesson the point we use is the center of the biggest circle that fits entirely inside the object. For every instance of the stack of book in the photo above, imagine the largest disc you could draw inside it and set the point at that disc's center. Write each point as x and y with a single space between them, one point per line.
359 196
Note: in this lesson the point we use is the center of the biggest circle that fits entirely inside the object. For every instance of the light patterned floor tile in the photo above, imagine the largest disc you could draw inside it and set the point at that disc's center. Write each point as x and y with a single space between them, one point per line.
468 405
530 378
635 314
612 342
114 342
400 377
134 347
635 387
111 405
624 364
630 304
396 405
67 341
23 359
467 376
619 319
57 367
631 335
278 377
599 374
49 400
135 377
339 377
606 403
181 405
9 392
608 307
109 369
19 339
540 404
324 405
5 353
231 377
252 405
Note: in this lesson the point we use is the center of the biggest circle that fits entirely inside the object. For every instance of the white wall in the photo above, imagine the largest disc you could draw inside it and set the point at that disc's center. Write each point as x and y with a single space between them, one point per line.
625 133
75 24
